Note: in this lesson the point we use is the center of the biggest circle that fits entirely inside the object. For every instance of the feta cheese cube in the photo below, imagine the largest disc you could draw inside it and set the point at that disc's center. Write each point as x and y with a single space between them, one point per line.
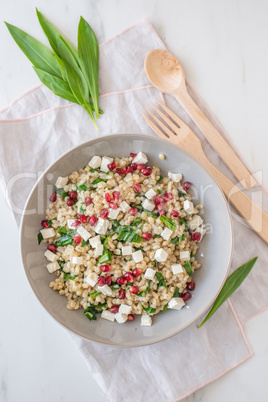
146 320
95 162
149 205
160 255
149 273
185 256
195 222
120 318
107 315
77 260
113 213
137 256
126 250
176 303
125 309
61 182
102 226
105 290
47 233
188 207
124 206
98 250
176 177
202 231
52 267
70 222
92 279
166 233
51 256
140 158
176 269
150 194
83 232
105 162
95 241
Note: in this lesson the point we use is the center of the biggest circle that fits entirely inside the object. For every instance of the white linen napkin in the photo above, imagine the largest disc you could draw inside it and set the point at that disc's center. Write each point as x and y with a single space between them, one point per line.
37 128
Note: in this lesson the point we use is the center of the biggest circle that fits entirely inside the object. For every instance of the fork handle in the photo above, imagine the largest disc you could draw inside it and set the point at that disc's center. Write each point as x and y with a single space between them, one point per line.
214 137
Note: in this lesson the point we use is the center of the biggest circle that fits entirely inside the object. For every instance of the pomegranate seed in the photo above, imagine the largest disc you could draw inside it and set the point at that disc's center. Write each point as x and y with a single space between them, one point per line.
191 285
160 207
134 289
157 200
73 195
108 280
146 236
111 166
52 247
134 165
93 220
168 196
44 223
133 211
105 268
120 171
186 296
53 197
114 309
196 236
121 281
137 187
175 213
116 195
82 218
133 155
136 272
107 197
77 239
76 223
104 213
88 201
113 205
129 169
122 294
129 277
161 213
101 281
130 317
146 171
186 185
70 202
141 166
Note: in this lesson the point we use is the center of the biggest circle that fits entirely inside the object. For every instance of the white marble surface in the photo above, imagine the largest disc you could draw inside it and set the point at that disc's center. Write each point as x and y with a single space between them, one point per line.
222 46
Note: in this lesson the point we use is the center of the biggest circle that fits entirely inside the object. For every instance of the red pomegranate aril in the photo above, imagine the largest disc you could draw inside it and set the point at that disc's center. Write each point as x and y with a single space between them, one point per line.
53 197
121 281
92 220
120 171
82 218
133 211
133 155
129 169
159 207
108 280
137 187
104 213
73 195
113 205
76 223
146 171
141 166
70 202
114 309
88 201
107 197
134 165
130 317
175 213
129 277
161 213
105 268
146 236
186 185
157 200
101 281
111 166
52 247
45 224
191 285
122 294
186 296
136 272
169 196
77 239
116 195
196 236
134 289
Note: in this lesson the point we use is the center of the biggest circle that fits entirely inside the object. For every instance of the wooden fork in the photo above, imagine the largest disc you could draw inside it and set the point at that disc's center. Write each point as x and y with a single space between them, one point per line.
180 134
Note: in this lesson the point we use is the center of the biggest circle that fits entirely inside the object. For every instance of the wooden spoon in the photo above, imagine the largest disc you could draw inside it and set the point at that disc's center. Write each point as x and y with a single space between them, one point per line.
165 73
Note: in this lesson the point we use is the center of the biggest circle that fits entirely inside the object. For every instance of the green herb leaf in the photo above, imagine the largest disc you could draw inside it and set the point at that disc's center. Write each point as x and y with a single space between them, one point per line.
94 294
181 195
94 170
177 293
154 215
40 237
184 222
66 239
165 307
188 267
161 280
136 222
149 309
178 239
157 236
116 224
82 210
168 222
146 290
159 191
84 242
90 313
99 180
155 263
82 187
106 256
160 179
99 307
62 230
68 276
115 286
127 233
62 193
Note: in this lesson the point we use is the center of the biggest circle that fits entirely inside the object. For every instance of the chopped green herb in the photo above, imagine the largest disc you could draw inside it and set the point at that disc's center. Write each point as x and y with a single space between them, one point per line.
127 233
39 237
92 188
115 224
155 263
81 187
159 191
61 263
84 243
140 207
192 254
62 193
156 236
51 221
115 286
94 170
66 239
161 280
96 181
149 309
178 239
184 222
138 248
168 222
146 290
62 230
68 276
154 215
188 268
82 210
165 307
75 204
136 222
99 307
94 294
181 195
106 256
177 293
91 313
159 180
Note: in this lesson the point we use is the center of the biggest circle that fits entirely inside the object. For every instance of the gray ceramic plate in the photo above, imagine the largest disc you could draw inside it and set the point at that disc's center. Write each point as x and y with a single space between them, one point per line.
214 253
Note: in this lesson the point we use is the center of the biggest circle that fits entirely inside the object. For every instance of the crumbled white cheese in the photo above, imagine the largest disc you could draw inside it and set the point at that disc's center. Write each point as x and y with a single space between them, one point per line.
150 194
188 207
52 267
113 213
47 233
140 158
166 233
120 318
149 205
195 222
98 250
185 255
149 273
107 315
61 182
95 241
160 255
83 233
126 250
102 226
125 309
146 320
137 256
176 177
92 279
176 303
105 290
77 260
51 256
105 162
124 206
95 162
176 269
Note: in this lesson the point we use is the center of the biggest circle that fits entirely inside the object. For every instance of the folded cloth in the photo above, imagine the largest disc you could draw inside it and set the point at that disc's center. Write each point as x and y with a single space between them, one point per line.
37 128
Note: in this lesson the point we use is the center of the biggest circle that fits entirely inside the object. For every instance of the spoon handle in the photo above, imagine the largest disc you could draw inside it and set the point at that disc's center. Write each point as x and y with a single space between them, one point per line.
215 138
